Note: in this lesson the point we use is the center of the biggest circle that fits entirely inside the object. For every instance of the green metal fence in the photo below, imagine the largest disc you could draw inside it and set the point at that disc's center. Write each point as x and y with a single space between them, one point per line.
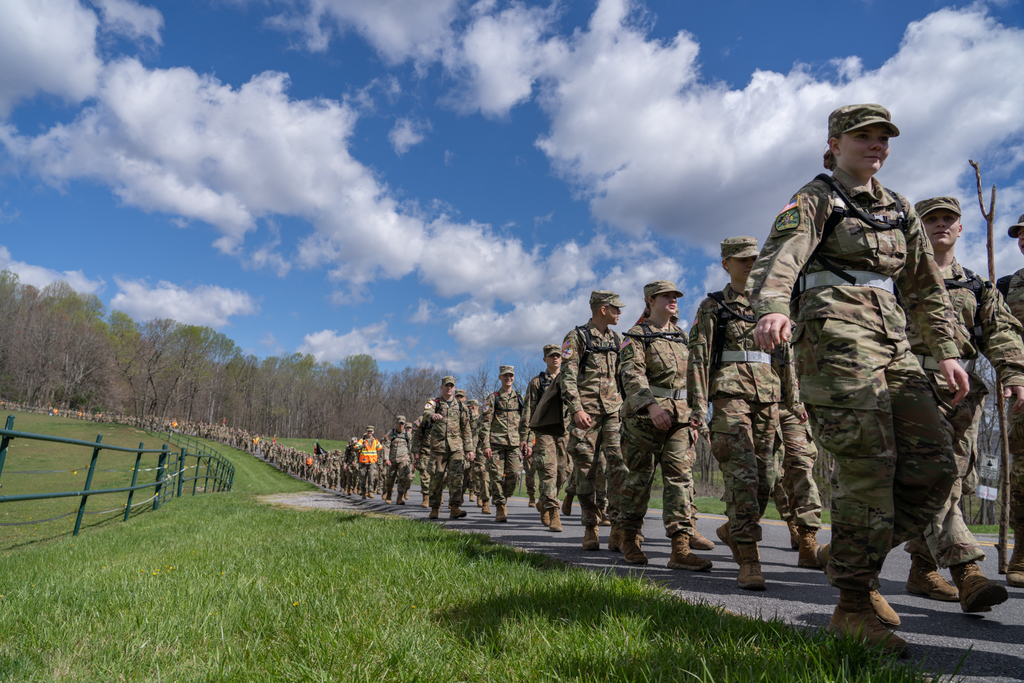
172 470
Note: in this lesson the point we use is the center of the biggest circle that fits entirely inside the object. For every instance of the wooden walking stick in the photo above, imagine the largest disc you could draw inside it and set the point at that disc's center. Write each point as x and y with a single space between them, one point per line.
1004 468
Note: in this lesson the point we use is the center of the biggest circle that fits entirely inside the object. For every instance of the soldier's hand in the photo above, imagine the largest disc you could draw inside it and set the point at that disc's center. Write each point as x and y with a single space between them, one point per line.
659 417
469 456
802 417
772 330
437 416
388 463
581 419
956 378
487 453
1018 405
528 451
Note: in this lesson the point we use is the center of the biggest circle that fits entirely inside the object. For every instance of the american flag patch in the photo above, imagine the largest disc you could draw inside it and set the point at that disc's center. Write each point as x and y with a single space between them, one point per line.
793 203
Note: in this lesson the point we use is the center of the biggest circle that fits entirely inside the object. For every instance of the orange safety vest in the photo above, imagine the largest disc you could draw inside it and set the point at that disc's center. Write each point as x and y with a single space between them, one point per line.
369 450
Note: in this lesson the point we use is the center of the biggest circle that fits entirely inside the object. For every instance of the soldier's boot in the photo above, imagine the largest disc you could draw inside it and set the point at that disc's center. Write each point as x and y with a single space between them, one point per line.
682 558
387 496
533 501
824 553
631 551
977 594
369 494
402 495
750 577
808 547
883 610
364 496
854 617
486 509
640 536
479 502
590 539
925 580
457 512
725 537
406 497
567 505
434 513
502 514
794 536
615 539
425 499
556 521
1015 568
545 517
697 540
602 518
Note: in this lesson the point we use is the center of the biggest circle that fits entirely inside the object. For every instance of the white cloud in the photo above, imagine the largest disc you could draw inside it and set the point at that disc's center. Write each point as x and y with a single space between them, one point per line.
270 343
207 305
39 276
424 312
328 345
406 133
47 46
132 20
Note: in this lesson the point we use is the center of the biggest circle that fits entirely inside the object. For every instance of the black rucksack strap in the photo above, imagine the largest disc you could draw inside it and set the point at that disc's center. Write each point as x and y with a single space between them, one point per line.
723 314
1003 285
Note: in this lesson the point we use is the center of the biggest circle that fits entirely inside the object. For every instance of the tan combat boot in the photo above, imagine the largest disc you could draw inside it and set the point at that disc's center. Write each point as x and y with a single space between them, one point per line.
1015 569
387 498
425 503
364 496
885 613
400 500
925 580
750 577
406 495
794 536
824 554
631 551
615 540
486 509
501 515
434 513
683 558
697 540
370 494
567 505
977 594
855 617
602 518
457 512
545 517
590 539
556 521
532 503
479 502
725 537
808 546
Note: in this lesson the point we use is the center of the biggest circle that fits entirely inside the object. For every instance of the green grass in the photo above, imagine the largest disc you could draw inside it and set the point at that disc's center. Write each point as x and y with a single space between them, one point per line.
306 445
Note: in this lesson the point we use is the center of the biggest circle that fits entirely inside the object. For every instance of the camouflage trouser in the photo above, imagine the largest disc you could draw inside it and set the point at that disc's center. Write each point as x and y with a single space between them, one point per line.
450 463
586 446
400 473
946 540
481 478
796 493
423 467
872 408
565 477
548 452
530 475
504 463
389 477
367 477
644 447
743 443
378 477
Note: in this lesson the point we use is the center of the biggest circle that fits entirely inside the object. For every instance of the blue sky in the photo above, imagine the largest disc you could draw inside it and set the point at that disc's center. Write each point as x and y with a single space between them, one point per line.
444 182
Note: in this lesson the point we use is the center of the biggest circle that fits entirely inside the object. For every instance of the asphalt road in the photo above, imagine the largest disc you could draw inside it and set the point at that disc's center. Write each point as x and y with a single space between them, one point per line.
939 632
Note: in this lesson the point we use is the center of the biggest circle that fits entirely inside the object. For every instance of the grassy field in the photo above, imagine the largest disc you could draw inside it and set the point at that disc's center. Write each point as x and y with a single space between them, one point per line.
221 587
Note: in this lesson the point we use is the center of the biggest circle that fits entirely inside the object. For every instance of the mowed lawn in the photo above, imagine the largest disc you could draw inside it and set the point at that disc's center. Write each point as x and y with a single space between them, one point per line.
222 587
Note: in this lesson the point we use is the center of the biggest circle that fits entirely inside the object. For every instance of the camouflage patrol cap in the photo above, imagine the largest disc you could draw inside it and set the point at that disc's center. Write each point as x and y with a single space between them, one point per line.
472 402
369 428
604 297
739 247
1017 227
448 379
854 116
552 350
657 287
926 206
506 370
401 419
460 393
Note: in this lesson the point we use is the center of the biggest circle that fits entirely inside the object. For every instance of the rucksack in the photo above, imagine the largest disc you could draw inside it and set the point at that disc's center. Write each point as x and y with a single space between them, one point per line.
977 287
647 337
723 314
590 347
498 409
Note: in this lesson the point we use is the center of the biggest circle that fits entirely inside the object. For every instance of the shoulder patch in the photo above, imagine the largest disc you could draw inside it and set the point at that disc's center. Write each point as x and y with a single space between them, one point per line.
626 351
693 334
789 218
429 406
567 349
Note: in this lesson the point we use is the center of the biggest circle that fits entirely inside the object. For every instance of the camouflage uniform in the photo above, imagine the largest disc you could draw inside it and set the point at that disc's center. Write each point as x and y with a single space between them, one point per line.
400 457
654 371
548 451
499 431
870 403
796 495
480 479
594 390
369 451
446 440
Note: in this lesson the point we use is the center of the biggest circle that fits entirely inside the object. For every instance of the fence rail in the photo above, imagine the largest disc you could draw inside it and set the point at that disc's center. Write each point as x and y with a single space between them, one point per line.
171 470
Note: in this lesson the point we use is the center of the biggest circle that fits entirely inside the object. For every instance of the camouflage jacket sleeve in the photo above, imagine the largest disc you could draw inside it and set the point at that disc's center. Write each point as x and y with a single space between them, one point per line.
790 381
569 376
1001 338
701 345
487 414
426 424
465 428
529 404
636 389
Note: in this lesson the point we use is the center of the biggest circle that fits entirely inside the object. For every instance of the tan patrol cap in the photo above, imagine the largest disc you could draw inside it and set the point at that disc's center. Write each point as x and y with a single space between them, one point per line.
854 116
460 393
506 370
448 379
369 428
604 297
926 206
661 287
401 419
739 247
552 350
1016 228
472 402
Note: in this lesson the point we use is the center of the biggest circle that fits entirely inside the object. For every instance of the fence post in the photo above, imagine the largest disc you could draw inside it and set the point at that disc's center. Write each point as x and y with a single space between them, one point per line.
216 476
160 467
6 441
88 484
135 478
195 479
206 477
181 471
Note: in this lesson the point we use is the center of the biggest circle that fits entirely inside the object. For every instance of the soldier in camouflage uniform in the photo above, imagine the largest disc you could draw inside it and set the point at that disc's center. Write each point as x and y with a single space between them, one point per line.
368 450
657 429
480 477
1013 287
447 438
350 469
871 404
422 458
398 461
467 486
547 452
590 392
499 436
728 372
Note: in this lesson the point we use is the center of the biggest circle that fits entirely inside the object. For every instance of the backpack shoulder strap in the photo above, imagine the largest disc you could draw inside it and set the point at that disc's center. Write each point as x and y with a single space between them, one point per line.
1003 285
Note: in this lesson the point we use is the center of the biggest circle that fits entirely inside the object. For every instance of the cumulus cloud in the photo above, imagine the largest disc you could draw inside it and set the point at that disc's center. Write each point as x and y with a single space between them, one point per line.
207 305
39 276
330 346
407 133
131 19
